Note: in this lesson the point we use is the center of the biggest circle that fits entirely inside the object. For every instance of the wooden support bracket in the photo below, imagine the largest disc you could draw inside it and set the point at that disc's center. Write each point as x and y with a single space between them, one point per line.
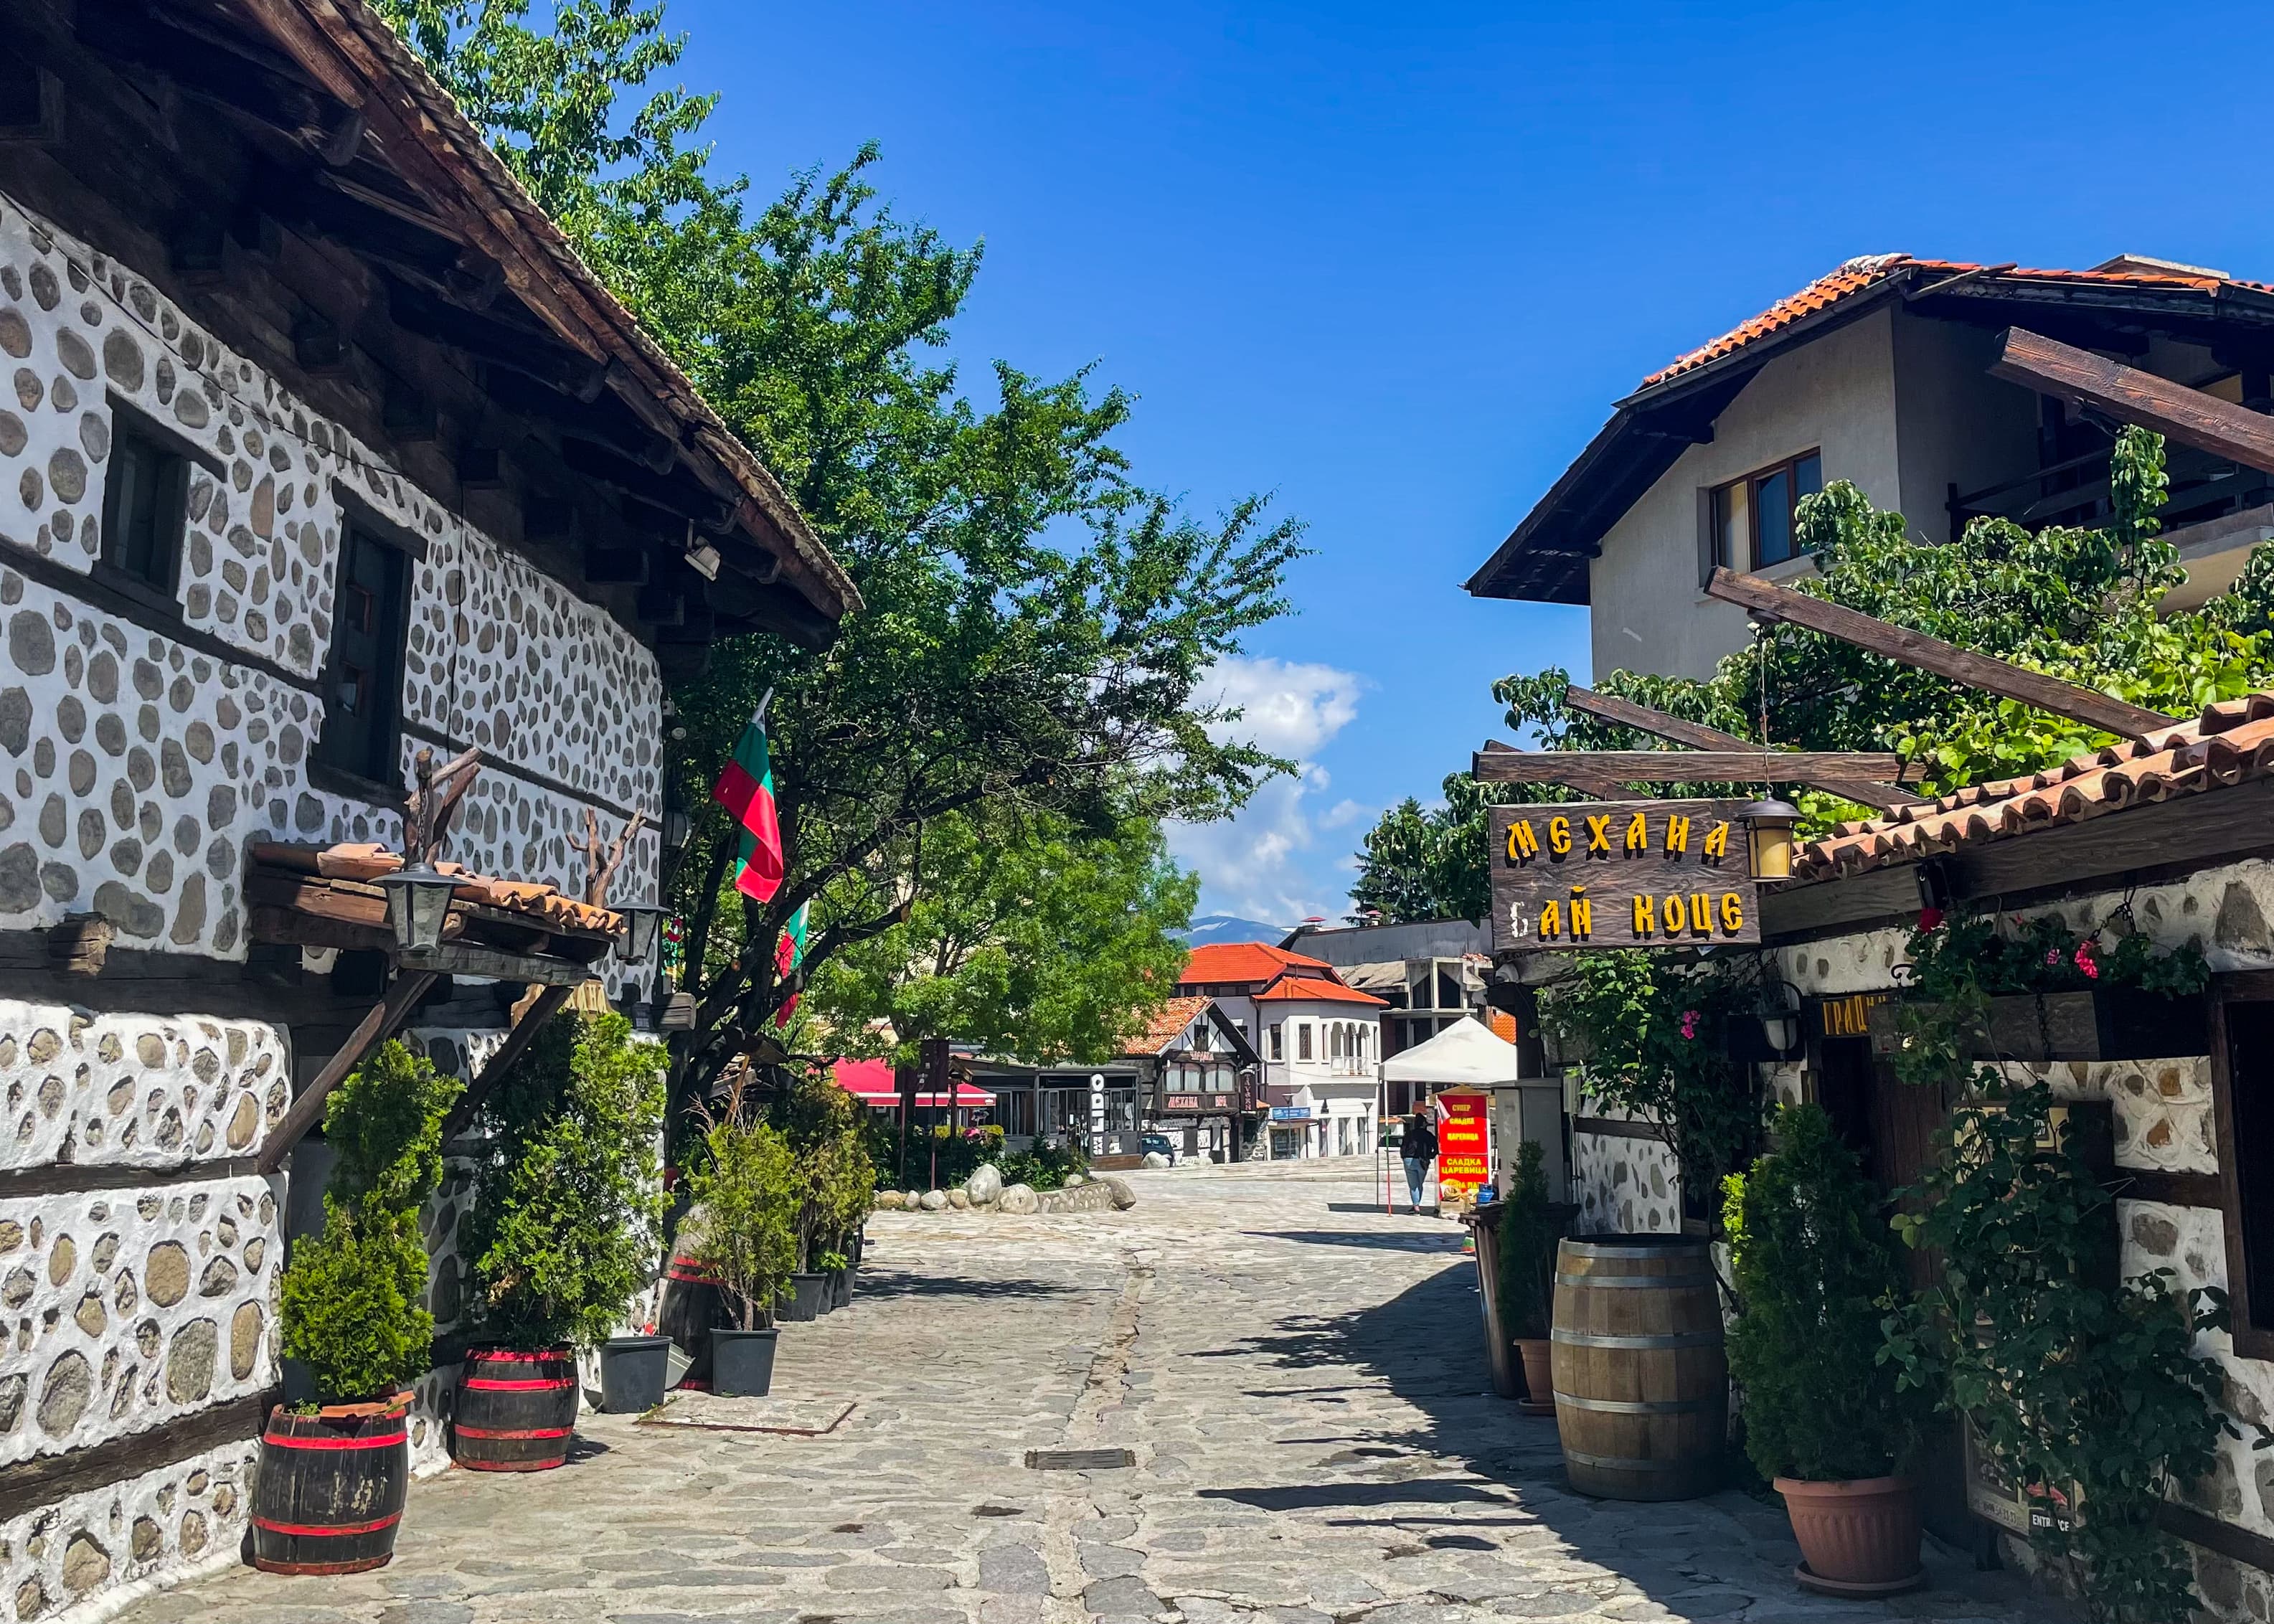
546 1004
1766 601
381 1024
1886 797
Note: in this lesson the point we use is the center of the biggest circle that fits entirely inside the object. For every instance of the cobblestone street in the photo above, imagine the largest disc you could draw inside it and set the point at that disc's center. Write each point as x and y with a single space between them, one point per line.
1299 1377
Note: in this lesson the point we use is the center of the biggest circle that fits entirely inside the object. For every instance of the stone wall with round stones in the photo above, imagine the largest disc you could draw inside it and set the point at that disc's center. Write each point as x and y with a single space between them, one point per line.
1624 1186
134 1090
123 1309
164 1521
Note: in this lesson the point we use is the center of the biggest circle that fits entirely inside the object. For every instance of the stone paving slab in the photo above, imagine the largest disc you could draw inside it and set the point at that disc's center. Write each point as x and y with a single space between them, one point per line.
1298 1378
796 1417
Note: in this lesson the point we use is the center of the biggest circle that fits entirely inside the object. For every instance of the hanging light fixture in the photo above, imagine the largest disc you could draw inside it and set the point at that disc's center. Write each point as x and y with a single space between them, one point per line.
1779 1009
417 902
1771 823
641 922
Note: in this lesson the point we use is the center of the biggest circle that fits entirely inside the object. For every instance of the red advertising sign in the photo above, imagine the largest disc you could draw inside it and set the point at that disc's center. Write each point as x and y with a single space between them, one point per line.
1464 1142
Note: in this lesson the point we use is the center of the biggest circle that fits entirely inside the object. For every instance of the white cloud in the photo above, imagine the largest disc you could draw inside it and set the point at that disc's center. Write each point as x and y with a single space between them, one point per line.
1268 863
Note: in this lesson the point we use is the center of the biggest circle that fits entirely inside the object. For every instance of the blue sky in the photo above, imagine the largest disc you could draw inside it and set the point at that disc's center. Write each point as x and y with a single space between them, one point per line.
1393 264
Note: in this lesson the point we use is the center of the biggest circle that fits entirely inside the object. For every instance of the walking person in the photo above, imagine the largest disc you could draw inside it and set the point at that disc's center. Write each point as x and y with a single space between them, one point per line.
1418 1145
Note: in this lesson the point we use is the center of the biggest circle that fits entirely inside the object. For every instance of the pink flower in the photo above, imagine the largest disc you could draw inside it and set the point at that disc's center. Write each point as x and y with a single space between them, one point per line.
1690 1024
2085 961
2052 955
1930 918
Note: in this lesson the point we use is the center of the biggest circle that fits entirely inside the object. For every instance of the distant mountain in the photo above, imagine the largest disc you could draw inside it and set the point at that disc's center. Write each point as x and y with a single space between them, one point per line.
1230 927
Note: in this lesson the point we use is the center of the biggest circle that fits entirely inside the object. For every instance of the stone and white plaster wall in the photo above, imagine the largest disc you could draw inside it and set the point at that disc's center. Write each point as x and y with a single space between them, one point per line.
176 1517
135 768
1625 1186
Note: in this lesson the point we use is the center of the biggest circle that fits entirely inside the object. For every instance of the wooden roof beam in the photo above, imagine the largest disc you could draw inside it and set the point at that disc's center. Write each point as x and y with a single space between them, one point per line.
1593 784
1749 766
2083 379
1766 601
1864 791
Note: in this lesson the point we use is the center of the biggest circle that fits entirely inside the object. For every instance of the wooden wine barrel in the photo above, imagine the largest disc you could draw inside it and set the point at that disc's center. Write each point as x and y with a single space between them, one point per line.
1642 1384
329 1494
517 1411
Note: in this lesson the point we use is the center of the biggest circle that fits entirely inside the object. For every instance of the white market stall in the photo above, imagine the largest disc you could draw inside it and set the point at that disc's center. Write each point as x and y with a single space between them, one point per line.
1468 1054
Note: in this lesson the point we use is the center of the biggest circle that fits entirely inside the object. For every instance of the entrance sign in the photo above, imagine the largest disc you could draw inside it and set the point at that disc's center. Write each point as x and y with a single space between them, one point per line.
1464 1142
1620 873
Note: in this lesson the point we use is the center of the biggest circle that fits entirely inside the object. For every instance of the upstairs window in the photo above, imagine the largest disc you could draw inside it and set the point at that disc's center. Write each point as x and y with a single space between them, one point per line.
363 684
1303 1039
1752 526
1278 1041
145 500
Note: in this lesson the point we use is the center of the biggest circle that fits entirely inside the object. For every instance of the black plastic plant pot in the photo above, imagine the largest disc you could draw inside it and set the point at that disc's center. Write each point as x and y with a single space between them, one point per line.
811 1299
742 1362
845 1287
634 1371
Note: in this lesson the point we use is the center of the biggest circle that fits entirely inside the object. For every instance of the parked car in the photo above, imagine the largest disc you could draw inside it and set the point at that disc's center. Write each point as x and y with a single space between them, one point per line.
1162 1144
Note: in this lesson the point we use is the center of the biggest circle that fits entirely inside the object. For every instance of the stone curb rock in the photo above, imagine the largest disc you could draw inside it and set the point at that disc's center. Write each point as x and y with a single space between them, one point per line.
933 1201
984 1186
1124 1198
960 1198
888 1200
1020 1199
1088 1197
1154 1159
1074 1181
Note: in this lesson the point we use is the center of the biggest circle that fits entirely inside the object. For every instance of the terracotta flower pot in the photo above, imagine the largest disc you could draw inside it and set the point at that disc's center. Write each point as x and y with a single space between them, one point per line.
1858 1537
1537 1389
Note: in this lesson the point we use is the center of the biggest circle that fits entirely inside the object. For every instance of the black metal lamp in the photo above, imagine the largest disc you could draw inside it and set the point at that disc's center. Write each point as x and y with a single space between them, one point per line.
643 920
1770 822
417 902
676 828
1779 1009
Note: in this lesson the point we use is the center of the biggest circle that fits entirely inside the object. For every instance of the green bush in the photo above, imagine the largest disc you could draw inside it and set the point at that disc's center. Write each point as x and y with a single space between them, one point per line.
568 1203
353 1298
1527 1247
1043 1167
1817 1269
836 1180
746 1193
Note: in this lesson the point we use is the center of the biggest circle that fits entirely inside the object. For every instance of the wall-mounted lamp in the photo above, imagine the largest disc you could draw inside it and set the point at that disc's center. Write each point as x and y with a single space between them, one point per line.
1779 1009
417 902
1771 821
704 561
641 922
676 828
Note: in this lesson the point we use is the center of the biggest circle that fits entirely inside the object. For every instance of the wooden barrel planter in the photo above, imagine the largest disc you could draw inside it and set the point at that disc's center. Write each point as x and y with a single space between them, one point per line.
1642 1384
517 1411
328 1497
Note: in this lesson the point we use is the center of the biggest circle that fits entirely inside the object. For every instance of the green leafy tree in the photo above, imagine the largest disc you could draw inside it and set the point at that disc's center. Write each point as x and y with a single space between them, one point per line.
353 1298
1424 862
1038 627
568 1199
1023 937
1815 1267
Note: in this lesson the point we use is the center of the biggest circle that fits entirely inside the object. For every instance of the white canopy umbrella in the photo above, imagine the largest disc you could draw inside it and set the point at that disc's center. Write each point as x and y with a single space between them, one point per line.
1467 1052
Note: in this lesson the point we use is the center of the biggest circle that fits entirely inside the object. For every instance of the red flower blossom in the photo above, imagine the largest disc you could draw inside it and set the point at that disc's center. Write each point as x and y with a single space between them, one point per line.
1930 918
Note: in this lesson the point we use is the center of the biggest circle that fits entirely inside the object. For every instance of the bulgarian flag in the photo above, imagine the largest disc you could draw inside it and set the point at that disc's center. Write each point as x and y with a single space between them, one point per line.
746 788
790 952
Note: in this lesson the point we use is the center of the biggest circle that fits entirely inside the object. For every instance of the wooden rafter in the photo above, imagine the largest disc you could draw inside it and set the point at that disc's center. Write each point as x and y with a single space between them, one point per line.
2083 378
384 1019
1886 797
546 1004
1766 601
1593 784
1751 766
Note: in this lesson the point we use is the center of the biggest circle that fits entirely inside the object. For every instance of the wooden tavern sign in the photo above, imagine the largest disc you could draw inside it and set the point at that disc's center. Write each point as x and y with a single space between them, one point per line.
1622 874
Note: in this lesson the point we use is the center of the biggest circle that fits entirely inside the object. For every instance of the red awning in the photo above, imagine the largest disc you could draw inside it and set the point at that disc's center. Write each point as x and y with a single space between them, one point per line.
870 1082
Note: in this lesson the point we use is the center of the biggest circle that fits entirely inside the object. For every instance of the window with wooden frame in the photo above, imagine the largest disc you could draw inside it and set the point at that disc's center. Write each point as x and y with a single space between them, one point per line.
363 679
1278 1041
1302 1039
1750 521
2242 1093
146 491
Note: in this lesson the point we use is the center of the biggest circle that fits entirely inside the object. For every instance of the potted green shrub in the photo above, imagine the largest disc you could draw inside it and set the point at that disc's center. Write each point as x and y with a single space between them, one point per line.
837 1187
334 1468
1527 1268
744 1228
563 1233
1815 1265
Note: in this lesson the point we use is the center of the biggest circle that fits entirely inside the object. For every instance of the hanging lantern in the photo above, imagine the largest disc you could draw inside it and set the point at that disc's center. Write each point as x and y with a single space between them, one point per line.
1779 1009
417 902
1771 821
642 922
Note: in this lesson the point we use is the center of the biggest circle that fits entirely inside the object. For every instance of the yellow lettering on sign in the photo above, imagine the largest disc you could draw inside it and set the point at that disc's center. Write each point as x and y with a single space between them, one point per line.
1733 913
1677 834
1717 844
1551 918
1599 834
1583 918
1559 836
1646 916
1523 844
1701 913
1674 912
1638 834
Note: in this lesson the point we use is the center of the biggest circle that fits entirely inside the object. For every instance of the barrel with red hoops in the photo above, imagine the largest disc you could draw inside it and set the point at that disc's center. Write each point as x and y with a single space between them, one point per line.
516 1412
328 1497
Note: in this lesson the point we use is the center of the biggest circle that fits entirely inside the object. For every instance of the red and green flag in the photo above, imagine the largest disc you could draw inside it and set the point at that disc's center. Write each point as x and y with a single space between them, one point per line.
746 789
790 952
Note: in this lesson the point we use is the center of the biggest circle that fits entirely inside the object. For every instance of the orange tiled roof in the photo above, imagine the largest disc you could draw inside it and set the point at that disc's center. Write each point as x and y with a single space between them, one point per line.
1171 1019
1244 961
1313 989
1859 274
2228 743
363 860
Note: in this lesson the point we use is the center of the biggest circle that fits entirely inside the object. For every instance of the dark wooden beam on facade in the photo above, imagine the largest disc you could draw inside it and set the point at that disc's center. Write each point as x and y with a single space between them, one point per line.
487 336
307 1108
1886 797
2083 379
1752 766
1766 601
548 1003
